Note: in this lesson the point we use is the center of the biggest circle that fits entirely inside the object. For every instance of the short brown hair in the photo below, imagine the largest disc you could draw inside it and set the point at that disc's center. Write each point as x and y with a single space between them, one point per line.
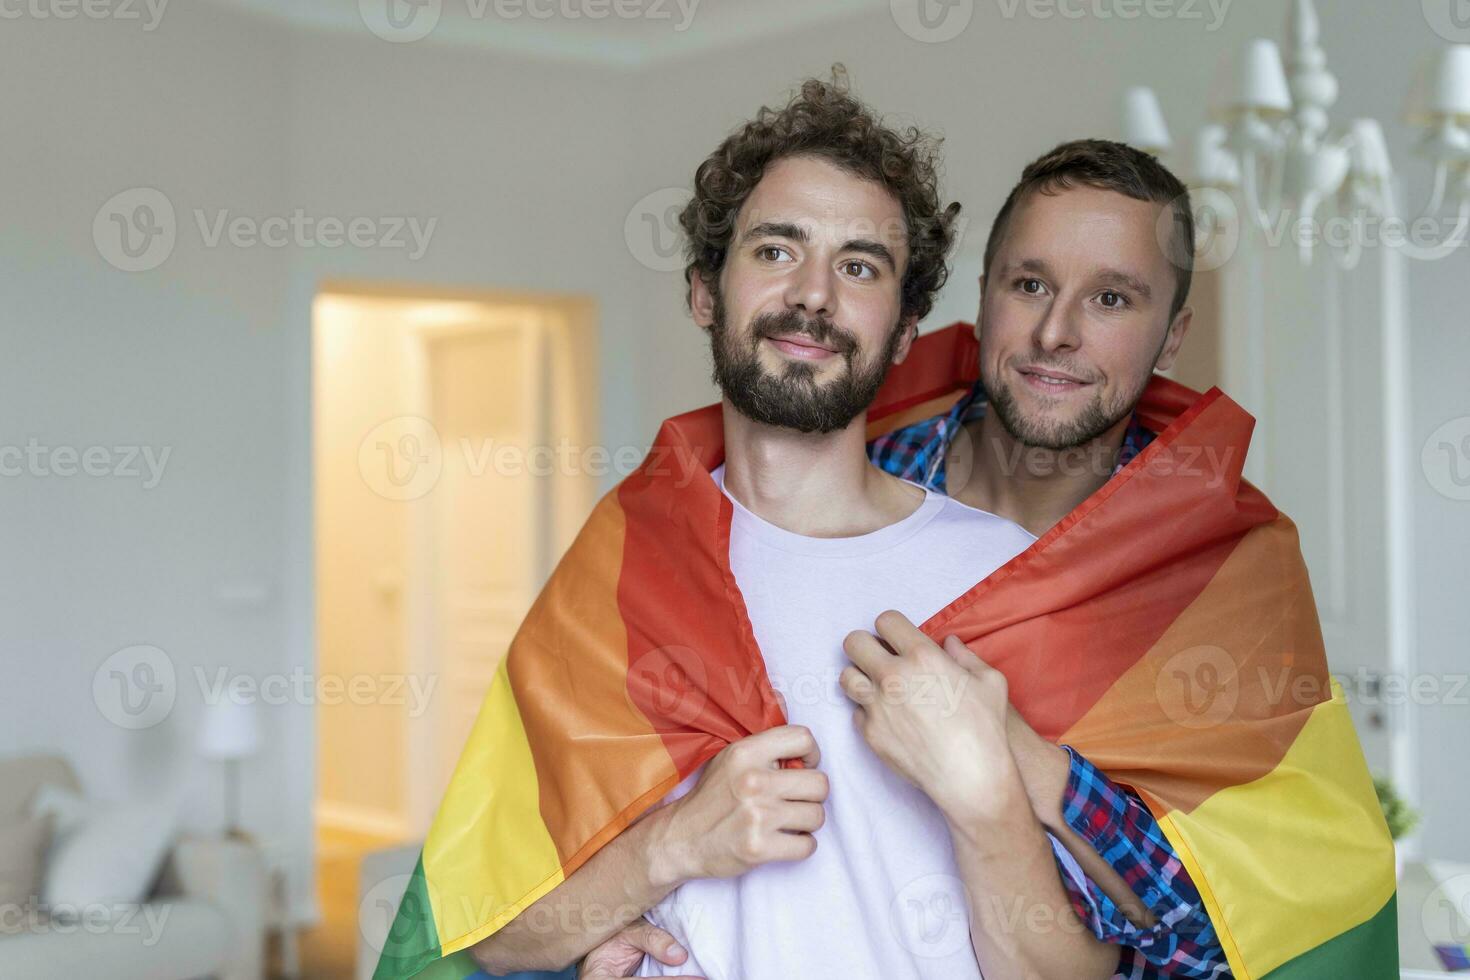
824 120
1110 166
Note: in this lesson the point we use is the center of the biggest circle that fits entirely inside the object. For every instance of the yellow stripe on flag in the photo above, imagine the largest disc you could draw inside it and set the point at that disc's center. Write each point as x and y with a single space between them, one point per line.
471 866
1307 841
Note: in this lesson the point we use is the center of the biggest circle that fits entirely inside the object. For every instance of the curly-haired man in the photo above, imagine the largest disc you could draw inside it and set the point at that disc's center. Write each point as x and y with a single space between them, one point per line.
816 242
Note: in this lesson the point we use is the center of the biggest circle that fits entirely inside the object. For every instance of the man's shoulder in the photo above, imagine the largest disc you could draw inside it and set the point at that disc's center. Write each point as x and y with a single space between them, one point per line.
967 527
908 452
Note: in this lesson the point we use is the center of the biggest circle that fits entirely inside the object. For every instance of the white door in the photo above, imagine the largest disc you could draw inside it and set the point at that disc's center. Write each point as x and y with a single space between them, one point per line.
487 517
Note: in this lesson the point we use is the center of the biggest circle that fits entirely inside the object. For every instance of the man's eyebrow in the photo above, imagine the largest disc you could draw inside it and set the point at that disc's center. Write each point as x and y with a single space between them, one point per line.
1116 277
776 229
1034 266
786 229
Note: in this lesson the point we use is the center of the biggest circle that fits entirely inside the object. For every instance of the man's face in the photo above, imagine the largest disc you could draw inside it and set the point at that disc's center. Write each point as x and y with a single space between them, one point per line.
1074 315
804 321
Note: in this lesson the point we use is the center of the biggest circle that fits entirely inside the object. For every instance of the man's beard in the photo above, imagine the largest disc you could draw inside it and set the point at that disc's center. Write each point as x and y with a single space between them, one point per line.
1095 418
793 399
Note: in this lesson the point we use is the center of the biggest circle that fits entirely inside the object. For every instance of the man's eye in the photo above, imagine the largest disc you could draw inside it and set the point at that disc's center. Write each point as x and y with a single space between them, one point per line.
1031 286
1112 300
770 253
859 269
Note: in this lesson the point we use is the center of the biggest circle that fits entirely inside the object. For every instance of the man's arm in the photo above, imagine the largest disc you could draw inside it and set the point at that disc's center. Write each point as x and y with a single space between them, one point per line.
628 876
1137 893
1045 770
743 812
1022 921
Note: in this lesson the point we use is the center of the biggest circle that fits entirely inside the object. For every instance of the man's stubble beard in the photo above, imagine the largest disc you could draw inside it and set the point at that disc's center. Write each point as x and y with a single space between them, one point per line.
793 400
1095 419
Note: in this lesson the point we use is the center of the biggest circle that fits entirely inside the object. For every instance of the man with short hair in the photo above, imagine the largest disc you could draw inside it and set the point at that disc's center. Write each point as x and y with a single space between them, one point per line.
1084 287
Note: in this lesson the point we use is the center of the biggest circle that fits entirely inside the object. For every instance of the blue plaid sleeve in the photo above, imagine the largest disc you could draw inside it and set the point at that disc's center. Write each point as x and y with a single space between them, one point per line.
1183 942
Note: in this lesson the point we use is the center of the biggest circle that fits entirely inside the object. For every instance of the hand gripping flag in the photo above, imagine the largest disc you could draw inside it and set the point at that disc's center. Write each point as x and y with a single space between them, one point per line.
1165 629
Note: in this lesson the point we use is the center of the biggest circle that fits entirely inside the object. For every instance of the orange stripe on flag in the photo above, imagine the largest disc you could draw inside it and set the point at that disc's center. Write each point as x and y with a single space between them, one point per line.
1223 694
570 704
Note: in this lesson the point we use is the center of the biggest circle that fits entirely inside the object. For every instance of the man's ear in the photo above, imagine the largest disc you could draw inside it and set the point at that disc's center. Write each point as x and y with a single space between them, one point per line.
910 327
1174 339
701 300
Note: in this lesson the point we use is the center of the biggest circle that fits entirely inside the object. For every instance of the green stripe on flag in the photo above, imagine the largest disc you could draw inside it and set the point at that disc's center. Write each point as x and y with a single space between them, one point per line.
412 941
1368 951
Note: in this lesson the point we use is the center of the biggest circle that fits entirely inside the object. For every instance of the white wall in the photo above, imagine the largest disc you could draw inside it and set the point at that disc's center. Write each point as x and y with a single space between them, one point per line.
530 169
187 359
208 355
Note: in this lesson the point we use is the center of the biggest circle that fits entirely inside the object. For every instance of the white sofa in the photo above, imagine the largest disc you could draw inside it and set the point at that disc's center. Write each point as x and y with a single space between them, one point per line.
207 911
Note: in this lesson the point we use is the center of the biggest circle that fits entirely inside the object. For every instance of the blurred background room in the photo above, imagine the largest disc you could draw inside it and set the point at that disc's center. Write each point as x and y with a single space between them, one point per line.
326 322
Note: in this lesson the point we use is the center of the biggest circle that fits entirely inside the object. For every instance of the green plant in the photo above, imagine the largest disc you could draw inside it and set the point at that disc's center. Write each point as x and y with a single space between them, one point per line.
1401 817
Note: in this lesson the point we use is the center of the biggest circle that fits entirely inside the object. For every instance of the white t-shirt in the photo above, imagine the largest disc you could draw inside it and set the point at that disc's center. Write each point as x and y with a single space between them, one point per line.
881 897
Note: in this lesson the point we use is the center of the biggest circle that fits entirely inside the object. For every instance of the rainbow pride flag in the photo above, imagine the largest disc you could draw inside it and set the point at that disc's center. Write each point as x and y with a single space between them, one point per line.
1165 628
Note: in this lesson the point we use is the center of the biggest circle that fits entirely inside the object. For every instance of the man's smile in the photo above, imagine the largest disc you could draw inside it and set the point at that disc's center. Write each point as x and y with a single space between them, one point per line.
800 346
1048 381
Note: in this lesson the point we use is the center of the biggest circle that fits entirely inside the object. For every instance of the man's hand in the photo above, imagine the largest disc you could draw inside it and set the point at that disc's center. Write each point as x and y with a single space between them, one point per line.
745 810
937 716
941 718
621 955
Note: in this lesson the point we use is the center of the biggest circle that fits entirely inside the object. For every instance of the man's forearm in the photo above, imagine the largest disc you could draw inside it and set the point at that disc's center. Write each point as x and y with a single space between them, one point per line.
1021 920
1044 768
628 876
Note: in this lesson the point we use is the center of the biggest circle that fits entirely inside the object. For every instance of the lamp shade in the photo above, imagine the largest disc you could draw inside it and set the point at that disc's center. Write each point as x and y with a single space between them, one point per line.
1143 121
231 730
1449 94
1258 81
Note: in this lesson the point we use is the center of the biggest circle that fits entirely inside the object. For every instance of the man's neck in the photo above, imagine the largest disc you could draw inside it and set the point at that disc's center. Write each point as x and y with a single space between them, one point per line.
818 485
1032 486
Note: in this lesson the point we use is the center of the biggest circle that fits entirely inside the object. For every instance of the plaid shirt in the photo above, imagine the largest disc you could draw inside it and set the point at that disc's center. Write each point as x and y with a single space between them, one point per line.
1111 818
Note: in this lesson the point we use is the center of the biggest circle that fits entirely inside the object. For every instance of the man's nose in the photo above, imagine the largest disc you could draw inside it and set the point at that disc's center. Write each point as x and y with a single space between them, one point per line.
1060 326
811 290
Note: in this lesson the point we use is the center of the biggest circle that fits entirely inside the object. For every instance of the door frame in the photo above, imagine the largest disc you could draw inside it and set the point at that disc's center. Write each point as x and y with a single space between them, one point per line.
569 334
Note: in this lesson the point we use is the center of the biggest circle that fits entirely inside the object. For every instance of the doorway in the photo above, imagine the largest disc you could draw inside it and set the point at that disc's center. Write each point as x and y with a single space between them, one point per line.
447 427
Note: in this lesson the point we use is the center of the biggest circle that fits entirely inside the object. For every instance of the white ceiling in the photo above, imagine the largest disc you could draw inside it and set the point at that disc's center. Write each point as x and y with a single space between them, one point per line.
581 30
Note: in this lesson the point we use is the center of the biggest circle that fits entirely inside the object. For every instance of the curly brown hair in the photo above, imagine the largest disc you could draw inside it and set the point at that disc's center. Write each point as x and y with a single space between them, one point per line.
824 120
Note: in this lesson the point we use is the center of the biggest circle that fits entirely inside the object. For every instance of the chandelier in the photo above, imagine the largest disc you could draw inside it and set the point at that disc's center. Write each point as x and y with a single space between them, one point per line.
1271 152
